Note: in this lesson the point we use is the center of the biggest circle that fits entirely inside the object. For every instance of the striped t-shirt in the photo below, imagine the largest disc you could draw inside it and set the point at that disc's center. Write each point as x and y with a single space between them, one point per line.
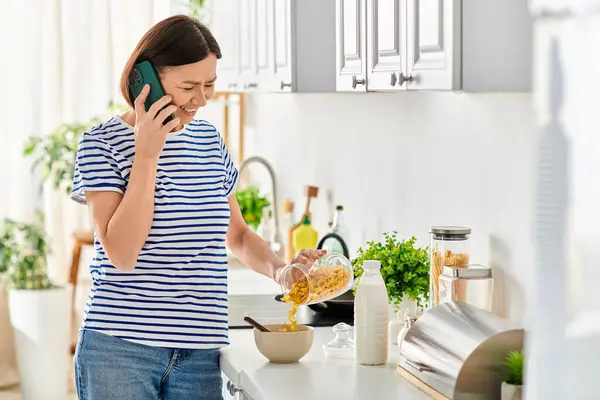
176 296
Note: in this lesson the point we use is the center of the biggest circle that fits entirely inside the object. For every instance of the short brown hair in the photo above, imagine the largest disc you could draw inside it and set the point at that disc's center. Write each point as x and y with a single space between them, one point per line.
177 40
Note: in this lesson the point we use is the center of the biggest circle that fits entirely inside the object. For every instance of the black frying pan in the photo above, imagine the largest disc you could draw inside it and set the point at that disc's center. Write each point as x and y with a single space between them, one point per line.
342 304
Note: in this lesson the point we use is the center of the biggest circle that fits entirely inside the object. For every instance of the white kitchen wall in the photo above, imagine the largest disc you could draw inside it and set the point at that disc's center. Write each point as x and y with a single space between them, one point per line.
406 161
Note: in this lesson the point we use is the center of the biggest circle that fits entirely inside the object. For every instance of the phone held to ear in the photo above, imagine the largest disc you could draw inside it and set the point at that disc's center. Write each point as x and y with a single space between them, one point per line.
144 73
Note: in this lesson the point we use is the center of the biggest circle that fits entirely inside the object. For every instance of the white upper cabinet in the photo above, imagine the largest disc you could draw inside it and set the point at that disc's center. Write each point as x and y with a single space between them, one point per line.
386 54
272 45
433 37
468 45
248 42
226 34
286 45
256 43
373 45
221 16
351 46
282 48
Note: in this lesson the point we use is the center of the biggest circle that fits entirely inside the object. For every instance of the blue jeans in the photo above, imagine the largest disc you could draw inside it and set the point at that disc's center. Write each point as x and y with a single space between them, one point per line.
107 367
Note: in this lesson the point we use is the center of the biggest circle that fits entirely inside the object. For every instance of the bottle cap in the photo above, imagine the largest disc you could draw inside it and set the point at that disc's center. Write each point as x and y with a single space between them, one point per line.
371 264
306 220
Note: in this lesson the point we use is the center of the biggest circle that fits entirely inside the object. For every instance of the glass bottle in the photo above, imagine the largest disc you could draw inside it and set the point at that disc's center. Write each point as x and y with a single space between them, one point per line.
339 226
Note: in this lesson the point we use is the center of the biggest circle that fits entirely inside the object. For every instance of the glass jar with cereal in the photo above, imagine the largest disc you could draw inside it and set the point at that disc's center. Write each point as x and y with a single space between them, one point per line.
449 246
325 279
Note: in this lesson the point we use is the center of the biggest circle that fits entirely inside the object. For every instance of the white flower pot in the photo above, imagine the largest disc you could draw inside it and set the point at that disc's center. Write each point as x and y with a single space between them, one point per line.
9 375
511 392
41 321
395 325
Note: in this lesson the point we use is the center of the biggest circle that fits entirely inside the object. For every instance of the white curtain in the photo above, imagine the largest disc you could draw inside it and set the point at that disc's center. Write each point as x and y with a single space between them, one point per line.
19 68
64 62
61 62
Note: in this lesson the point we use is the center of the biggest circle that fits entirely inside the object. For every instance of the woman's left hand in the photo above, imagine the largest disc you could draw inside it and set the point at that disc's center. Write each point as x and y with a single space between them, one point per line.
304 257
307 256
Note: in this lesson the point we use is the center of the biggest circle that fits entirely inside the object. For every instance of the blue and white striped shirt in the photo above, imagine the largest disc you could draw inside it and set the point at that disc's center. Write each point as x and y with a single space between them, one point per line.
176 296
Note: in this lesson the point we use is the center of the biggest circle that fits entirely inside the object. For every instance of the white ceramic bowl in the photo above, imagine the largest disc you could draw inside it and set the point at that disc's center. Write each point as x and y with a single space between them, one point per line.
284 347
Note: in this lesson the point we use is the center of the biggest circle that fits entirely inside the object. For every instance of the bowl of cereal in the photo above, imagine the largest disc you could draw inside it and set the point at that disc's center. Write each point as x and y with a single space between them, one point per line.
282 345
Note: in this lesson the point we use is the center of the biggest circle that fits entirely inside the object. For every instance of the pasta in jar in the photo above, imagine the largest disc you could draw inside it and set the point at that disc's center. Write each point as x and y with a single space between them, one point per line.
449 247
319 284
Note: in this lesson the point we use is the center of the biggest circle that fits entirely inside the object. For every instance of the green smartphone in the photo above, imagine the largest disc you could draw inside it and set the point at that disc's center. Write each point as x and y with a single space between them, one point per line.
144 73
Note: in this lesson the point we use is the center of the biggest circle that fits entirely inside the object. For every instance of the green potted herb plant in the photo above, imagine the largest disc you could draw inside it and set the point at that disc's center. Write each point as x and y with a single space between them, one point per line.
405 271
40 311
512 386
252 205
404 268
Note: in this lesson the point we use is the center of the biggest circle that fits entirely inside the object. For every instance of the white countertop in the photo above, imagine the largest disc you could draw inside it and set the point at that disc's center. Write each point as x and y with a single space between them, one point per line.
244 281
314 377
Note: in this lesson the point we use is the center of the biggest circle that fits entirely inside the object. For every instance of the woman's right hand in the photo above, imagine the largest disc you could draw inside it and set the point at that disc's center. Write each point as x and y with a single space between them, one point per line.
150 133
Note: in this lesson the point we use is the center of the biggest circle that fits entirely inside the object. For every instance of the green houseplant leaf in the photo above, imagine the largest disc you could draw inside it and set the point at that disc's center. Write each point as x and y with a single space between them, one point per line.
197 10
23 251
404 267
54 155
252 205
515 362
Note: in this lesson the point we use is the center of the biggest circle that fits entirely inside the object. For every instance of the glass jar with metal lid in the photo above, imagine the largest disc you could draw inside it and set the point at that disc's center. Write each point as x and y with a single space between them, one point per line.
449 246
472 284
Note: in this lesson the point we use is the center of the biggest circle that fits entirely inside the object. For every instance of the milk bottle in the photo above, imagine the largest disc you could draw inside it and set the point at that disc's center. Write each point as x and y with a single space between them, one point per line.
371 316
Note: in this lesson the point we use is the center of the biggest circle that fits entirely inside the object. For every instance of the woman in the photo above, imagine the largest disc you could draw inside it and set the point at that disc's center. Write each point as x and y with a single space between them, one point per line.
162 204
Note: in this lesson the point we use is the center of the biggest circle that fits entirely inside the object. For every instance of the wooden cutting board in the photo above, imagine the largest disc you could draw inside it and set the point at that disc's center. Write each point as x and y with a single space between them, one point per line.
422 386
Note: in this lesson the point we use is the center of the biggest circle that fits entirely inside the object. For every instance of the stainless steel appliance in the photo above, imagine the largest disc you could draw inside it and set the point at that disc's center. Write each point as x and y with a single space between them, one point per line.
459 350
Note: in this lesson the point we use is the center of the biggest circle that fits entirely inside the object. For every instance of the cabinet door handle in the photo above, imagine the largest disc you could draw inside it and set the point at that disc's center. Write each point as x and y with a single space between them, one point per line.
393 79
250 85
232 389
404 78
285 84
356 81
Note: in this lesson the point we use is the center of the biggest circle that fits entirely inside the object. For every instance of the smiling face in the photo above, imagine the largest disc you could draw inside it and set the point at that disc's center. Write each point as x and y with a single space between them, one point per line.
190 85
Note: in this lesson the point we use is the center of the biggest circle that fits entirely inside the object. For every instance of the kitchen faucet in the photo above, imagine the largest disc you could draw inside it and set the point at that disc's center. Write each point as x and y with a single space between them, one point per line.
277 243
